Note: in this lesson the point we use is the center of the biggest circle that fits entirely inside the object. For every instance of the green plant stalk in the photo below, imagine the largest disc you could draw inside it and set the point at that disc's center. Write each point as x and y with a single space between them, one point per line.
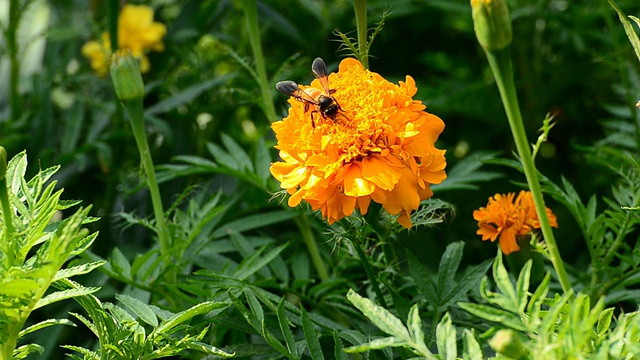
360 7
251 20
367 269
8 231
12 49
500 62
307 236
135 110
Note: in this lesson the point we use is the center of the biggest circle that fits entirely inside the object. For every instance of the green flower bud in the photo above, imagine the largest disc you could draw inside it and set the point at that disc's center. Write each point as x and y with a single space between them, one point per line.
492 23
3 162
508 343
125 74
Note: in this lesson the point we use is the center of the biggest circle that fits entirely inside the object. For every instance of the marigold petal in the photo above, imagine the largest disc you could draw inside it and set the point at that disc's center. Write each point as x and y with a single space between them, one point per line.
378 171
508 242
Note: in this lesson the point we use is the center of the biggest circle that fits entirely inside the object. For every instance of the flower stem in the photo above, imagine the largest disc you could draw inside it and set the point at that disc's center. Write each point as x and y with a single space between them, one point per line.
251 20
360 7
367 269
135 110
500 62
307 236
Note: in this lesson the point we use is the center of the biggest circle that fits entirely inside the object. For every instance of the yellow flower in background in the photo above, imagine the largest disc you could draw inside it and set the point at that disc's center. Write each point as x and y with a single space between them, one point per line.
506 219
137 32
379 147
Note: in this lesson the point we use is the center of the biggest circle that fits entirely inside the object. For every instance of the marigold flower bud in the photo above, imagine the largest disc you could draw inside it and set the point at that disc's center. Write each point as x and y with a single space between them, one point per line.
126 77
509 344
492 23
3 162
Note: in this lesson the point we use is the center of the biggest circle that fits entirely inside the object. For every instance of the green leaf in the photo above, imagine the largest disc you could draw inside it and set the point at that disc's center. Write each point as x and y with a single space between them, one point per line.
446 338
448 266
628 28
377 344
142 310
254 222
254 304
209 349
283 321
425 285
186 95
255 262
262 161
241 158
471 347
185 315
44 324
311 336
339 352
380 316
88 354
501 277
275 343
120 264
414 324
490 313
78 270
604 321
522 285
63 295
24 351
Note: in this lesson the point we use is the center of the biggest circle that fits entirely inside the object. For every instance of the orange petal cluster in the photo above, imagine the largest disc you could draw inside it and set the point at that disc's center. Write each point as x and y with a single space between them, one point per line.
506 219
380 147
137 32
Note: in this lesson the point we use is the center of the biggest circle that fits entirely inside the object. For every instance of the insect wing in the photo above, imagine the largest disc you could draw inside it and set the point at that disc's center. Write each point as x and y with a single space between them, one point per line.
290 88
319 69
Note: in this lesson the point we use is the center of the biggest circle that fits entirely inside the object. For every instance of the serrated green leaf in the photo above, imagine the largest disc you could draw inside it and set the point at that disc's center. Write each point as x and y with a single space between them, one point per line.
377 344
380 316
604 321
78 270
185 315
471 347
275 343
63 295
311 336
446 338
254 304
414 324
24 351
142 310
283 321
522 285
502 280
252 264
44 324
338 352
490 313
86 322
471 277
120 264
448 266
241 158
206 348
88 354
628 28
425 285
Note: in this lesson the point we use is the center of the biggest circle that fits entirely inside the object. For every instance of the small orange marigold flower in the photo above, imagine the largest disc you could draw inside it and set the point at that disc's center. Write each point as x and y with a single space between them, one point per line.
507 219
380 147
137 32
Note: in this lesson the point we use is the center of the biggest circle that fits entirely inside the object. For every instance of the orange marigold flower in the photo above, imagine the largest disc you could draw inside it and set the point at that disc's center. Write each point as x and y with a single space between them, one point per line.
507 219
380 147
137 32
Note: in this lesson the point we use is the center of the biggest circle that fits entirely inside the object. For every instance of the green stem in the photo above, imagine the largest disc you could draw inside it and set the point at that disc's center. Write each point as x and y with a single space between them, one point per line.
12 48
307 236
251 20
8 231
367 269
360 7
135 110
500 62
